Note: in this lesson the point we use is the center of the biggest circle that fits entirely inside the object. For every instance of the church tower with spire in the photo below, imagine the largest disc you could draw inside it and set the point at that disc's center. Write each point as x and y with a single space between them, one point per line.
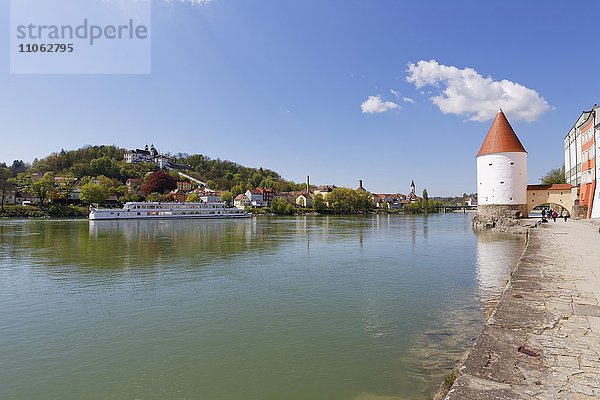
501 173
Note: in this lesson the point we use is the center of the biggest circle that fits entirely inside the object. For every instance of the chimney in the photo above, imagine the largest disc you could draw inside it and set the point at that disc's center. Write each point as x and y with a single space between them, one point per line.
307 184
360 184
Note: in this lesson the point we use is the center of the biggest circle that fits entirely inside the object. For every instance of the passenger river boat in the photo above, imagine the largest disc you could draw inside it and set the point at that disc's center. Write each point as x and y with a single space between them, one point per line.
159 210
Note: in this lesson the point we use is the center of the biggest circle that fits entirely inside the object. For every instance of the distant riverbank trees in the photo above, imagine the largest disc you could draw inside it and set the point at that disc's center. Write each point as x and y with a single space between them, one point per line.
423 206
41 187
281 206
6 184
108 161
93 193
349 201
99 174
346 201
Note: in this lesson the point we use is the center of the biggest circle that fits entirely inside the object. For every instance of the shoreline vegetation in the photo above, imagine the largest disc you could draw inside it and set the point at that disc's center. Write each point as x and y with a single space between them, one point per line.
65 183
52 211
73 211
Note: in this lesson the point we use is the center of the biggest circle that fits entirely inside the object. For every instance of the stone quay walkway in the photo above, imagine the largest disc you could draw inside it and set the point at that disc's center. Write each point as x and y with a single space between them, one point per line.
543 339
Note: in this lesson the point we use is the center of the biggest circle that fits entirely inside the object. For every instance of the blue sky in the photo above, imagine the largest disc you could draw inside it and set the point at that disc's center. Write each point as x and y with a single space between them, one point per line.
280 83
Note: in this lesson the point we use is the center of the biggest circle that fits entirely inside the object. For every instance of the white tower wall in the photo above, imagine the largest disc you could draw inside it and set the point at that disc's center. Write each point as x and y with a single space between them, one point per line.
502 178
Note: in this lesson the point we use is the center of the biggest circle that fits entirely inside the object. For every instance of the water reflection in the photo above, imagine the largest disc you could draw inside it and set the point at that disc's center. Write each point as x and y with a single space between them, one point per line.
365 307
497 255
434 353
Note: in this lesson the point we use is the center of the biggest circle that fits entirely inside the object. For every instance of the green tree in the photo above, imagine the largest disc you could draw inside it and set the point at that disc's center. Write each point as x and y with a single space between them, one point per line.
425 201
319 204
130 197
6 184
422 206
93 193
105 166
364 201
41 188
555 175
18 167
154 197
193 198
281 206
227 197
349 201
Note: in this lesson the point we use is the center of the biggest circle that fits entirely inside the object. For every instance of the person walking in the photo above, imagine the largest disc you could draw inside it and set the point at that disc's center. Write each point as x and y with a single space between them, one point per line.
543 214
565 214
554 215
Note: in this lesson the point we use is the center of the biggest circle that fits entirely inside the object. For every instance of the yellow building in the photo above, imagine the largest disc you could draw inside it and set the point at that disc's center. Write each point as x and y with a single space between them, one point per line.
553 195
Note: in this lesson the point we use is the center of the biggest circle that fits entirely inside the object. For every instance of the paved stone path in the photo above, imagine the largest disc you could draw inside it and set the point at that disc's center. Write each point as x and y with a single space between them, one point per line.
543 339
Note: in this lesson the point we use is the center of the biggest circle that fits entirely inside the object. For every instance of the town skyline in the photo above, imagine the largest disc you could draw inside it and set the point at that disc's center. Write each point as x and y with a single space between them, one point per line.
376 96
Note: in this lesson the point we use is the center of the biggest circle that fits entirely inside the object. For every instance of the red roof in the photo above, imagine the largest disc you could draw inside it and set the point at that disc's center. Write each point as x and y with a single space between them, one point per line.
554 186
501 138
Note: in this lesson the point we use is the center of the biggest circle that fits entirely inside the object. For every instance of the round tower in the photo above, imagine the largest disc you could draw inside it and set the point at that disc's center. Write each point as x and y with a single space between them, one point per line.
501 173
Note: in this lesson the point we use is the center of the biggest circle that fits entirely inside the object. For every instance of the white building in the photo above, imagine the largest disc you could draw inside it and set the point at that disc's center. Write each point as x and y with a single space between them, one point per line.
502 173
162 161
210 197
141 155
582 169
572 147
241 201
255 197
304 200
596 203
148 155
10 197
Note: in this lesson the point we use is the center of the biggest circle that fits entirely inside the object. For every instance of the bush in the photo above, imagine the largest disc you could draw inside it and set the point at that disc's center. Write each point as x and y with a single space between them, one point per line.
67 211
54 210
281 206
22 212
348 201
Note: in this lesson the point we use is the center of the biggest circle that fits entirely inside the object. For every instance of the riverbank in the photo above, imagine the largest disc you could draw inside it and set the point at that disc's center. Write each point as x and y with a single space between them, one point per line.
53 210
543 339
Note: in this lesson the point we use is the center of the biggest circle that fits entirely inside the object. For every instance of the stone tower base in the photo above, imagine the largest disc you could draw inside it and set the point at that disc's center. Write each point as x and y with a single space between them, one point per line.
505 211
492 216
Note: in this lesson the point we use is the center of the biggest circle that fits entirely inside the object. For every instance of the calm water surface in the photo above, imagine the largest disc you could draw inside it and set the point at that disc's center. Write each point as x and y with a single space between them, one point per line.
375 307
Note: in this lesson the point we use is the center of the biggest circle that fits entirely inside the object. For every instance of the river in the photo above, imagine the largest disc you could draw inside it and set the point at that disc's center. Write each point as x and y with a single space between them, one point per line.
354 308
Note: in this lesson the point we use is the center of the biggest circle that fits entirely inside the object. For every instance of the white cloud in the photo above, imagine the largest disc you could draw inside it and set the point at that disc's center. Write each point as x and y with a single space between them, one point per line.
466 92
408 100
374 104
396 93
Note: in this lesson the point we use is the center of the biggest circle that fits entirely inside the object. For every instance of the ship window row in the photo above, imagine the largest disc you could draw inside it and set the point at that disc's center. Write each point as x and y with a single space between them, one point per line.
154 207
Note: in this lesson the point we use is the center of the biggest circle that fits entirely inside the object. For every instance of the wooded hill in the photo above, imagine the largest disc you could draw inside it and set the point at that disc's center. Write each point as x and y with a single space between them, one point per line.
94 161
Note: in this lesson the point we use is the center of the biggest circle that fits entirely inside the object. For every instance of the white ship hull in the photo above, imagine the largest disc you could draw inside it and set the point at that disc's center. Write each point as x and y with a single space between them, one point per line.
167 211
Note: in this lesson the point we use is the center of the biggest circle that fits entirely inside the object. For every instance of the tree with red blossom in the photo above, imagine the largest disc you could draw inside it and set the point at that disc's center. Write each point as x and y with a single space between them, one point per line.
159 182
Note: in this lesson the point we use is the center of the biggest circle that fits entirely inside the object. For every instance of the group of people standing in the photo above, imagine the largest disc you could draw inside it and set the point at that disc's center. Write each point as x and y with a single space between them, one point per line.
549 213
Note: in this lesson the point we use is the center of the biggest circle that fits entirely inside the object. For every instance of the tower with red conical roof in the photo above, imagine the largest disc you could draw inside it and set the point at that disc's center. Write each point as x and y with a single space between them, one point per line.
501 173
